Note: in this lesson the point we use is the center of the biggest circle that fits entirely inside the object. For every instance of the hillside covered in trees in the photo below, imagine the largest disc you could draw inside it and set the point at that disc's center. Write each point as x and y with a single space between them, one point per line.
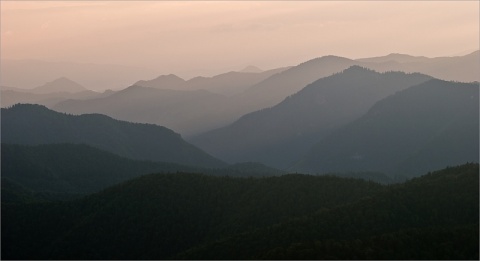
196 216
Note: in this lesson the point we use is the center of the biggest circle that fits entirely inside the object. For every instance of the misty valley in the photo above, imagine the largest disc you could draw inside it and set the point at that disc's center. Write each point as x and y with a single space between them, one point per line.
333 158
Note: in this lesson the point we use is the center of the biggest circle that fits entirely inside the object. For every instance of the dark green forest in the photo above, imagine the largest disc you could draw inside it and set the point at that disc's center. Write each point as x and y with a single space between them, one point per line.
293 216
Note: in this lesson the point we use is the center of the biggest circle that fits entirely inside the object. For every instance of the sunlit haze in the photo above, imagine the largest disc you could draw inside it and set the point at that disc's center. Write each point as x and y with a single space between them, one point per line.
190 38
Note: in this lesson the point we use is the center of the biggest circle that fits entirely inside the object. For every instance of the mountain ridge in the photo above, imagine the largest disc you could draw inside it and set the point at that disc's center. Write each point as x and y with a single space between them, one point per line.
424 127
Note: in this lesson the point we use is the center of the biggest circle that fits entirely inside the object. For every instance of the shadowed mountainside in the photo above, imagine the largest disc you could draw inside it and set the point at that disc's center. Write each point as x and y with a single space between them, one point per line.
426 127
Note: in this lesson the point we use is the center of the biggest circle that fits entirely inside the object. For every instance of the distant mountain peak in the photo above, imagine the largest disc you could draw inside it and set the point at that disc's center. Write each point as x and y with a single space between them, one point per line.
61 84
327 59
395 57
169 81
251 69
170 76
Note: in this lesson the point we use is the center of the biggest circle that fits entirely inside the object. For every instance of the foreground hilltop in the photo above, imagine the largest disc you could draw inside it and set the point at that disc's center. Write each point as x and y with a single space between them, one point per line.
194 216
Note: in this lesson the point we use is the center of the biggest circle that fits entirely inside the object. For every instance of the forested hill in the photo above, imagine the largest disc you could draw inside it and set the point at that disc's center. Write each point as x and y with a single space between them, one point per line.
194 216
406 221
35 124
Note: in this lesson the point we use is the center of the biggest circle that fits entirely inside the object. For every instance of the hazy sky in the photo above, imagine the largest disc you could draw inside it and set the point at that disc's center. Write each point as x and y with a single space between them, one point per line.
192 37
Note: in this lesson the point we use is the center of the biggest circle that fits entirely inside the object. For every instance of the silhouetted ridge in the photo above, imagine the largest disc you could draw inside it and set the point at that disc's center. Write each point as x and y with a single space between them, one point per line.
34 124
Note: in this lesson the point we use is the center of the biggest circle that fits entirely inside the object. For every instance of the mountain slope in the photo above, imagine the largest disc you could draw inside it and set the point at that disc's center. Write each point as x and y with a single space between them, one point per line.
425 127
277 136
276 88
35 124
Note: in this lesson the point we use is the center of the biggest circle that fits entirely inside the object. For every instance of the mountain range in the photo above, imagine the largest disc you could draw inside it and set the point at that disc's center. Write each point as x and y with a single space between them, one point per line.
243 93
279 135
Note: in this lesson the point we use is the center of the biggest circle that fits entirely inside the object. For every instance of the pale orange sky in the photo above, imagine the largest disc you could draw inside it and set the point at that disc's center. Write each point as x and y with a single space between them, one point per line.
191 38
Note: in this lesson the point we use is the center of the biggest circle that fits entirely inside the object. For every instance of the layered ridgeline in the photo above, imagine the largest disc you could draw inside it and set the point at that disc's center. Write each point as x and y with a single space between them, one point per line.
35 124
274 89
463 68
187 107
192 216
279 135
426 127
188 113
59 170
228 84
